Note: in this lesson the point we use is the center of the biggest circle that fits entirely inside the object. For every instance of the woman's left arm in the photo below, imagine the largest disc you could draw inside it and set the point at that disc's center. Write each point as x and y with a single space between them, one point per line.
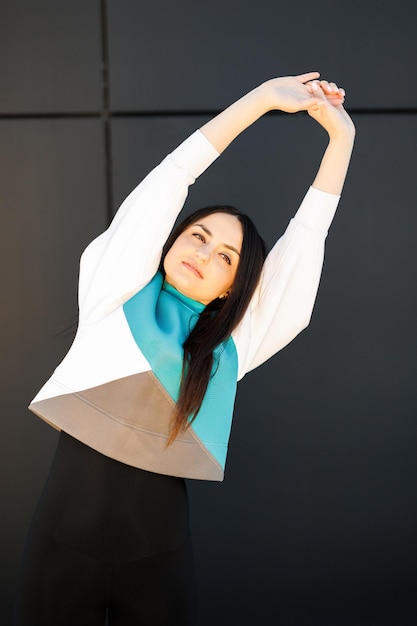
284 301
331 115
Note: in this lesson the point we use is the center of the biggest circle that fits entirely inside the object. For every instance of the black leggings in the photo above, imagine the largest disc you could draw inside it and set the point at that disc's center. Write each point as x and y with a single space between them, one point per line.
63 587
107 538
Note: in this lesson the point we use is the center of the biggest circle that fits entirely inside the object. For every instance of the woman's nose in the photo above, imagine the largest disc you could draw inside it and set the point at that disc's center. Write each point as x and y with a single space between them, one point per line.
203 254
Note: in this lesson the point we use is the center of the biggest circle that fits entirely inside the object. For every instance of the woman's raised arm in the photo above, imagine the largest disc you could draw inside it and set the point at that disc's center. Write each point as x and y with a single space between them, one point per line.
331 115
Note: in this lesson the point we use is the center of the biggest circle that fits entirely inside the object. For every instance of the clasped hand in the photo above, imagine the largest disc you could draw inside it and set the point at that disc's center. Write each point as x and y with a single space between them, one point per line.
323 100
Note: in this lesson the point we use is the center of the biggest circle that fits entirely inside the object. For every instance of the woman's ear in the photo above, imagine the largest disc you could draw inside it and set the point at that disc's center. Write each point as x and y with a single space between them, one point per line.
224 296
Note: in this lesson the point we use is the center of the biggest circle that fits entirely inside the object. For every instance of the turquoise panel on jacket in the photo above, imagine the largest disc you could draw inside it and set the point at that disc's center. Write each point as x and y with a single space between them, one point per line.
160 318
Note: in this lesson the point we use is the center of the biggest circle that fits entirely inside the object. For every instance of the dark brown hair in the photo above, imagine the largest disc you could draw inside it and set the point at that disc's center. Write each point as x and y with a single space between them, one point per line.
218 319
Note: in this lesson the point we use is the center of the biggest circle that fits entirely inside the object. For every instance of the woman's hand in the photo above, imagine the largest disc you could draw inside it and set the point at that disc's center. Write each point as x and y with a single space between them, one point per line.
289 93
322 100
328 111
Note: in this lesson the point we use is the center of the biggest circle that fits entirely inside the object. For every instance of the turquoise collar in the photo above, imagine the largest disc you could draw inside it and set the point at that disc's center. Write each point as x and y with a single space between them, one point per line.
193 305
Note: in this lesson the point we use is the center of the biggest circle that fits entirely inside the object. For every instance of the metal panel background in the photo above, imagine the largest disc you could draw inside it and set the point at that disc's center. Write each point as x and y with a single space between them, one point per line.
185 55
315 522
52 199
50 56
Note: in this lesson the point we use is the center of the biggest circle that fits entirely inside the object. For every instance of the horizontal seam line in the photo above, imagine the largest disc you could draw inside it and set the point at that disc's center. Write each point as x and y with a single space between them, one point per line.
108 114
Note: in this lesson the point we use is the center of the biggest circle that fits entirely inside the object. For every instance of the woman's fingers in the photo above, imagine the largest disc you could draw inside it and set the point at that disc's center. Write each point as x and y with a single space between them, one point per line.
304 78
330 89
332 93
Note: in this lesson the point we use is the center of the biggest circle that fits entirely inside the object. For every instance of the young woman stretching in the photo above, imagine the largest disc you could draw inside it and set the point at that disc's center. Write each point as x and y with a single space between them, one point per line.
144 397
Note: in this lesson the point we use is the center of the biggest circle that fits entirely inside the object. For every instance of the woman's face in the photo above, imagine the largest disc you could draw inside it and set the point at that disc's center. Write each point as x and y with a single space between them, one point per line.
203 260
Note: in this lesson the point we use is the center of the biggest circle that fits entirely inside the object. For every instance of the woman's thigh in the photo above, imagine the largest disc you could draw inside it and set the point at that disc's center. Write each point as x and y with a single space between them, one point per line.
156 591
59 586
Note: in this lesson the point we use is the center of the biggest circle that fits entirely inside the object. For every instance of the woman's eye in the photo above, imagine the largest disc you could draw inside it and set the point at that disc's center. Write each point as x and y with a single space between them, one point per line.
199 236
226 257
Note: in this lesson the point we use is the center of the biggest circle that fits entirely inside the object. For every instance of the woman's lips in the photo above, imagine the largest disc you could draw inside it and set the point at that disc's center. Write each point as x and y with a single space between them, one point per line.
193 268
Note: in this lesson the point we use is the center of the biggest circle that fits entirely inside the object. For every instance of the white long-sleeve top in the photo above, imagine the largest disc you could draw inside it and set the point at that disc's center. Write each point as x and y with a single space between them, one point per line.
115 389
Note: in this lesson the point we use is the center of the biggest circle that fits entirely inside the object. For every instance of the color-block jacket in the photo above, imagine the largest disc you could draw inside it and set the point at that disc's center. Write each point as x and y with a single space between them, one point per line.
116 387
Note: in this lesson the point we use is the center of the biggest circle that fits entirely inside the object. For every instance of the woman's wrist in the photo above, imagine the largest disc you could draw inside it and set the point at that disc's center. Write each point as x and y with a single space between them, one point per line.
344 137
226 126
263 99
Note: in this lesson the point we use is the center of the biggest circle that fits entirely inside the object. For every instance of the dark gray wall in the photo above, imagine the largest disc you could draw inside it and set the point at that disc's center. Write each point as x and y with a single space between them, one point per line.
315 522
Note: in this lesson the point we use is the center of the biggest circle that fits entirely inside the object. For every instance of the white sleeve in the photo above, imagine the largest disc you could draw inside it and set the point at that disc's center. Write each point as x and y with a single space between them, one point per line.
126 256
283 302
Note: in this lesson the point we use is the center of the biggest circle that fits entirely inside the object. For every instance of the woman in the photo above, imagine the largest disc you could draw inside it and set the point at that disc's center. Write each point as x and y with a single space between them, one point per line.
144 397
